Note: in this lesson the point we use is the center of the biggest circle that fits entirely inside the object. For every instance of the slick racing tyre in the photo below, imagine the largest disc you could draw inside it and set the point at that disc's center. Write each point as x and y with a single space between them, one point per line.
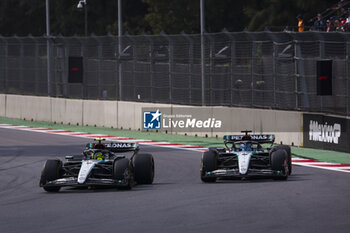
208 164
122 173
143 168
279 163
287 149
51 171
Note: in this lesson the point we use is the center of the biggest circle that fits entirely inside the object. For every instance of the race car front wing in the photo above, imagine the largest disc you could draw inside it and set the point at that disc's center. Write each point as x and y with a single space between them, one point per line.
73 181
236 173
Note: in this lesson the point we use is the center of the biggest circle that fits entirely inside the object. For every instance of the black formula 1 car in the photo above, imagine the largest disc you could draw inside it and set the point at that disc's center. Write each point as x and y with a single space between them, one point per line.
101 164
244 156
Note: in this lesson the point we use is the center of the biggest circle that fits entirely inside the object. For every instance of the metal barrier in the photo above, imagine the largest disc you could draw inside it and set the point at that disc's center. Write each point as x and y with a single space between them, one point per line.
274 70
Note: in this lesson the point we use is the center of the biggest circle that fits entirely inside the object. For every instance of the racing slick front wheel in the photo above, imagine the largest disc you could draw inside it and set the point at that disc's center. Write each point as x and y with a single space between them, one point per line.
208 164
143 168
279 164
289 154
122 173
51 171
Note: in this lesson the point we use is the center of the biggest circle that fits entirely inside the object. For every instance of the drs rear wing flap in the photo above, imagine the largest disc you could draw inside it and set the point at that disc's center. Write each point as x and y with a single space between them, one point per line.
261 138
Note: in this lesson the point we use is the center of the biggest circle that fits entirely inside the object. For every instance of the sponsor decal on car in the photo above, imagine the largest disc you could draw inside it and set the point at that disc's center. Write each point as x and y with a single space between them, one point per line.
119 145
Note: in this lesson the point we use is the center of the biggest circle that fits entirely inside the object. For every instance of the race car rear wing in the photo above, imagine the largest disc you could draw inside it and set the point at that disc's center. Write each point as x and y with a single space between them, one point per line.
261 138
115 146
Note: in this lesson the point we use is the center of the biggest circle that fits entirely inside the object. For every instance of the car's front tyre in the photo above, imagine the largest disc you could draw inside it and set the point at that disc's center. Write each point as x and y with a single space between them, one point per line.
50 172
279 164
289 154
122 173
208 164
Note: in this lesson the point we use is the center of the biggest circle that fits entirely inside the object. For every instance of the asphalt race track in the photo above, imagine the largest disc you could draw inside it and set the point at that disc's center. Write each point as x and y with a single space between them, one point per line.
312 200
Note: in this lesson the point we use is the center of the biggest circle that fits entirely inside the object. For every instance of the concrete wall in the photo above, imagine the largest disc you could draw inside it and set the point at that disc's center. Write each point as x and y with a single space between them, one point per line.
101 113
28 107
14 106
2 105
286 125
59 110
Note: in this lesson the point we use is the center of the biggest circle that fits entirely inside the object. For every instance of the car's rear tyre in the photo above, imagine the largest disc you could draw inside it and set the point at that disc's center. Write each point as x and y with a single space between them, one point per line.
122 173
144 168
279 163
50 172
208 164
288 150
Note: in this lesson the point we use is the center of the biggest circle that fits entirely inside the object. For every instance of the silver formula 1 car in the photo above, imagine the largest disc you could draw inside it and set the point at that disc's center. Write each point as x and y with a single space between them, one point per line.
101 164
244 156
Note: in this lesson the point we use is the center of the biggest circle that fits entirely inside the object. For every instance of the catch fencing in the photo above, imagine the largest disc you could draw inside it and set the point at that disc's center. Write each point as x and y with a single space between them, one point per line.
274 70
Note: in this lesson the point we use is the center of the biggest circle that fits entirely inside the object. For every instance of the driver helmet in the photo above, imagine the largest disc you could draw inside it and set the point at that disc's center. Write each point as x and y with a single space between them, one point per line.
98 155
249 147
242 147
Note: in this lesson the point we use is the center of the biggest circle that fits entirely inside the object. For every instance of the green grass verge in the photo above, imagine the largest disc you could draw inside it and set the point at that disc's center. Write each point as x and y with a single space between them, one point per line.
322 155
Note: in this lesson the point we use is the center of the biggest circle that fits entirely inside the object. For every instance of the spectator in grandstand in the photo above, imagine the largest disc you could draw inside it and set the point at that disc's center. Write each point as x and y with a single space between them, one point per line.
338 27
329 25
348 17
319 24
345 22
300 23
342 21
346 25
